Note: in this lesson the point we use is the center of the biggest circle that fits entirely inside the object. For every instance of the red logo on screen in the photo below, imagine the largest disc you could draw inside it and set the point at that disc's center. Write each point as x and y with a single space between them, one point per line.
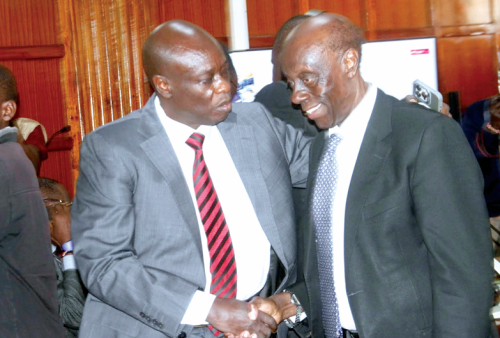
419 51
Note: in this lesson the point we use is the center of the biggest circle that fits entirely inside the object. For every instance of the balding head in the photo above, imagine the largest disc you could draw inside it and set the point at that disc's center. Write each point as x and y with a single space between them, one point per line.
330 30
189 72
168 42
320 60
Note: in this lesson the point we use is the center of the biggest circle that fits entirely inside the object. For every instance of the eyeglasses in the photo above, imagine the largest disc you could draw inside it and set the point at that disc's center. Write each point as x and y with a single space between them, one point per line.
51 202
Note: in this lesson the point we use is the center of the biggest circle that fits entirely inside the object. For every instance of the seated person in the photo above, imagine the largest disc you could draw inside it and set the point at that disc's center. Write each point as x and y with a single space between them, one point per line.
31 136
70 290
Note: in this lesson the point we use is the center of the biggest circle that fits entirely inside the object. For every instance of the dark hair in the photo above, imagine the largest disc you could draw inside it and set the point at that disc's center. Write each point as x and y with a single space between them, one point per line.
285 29
48 185
8 85
225 48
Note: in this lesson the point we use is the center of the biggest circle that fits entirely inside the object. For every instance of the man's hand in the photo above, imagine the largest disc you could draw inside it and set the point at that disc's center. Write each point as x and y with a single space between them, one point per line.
278 306
60 229
234 317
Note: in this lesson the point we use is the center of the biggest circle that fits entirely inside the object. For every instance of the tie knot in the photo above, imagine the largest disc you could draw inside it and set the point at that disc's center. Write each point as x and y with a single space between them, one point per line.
333 141
195 141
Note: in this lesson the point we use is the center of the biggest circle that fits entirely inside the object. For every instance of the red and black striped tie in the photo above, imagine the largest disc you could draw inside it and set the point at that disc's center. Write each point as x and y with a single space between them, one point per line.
220 246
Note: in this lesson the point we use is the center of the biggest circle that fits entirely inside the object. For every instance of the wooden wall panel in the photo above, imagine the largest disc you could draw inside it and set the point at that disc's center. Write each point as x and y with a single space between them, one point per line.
471 70
463 12
399 14
208 14
353 9
28 22
266 17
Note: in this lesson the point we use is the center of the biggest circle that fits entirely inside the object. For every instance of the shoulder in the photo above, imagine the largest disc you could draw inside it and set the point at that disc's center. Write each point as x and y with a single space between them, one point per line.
272 92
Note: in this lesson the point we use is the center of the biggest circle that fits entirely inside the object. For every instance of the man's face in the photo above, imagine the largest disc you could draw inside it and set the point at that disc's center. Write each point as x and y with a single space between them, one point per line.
318 81
199 80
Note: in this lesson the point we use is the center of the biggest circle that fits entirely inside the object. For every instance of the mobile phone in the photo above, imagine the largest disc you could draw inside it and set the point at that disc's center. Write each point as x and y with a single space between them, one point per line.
427 96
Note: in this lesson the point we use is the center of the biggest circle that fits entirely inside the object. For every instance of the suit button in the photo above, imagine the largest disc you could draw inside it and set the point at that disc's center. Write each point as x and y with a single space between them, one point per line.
155 322
148 318
182 335
160 325
142 314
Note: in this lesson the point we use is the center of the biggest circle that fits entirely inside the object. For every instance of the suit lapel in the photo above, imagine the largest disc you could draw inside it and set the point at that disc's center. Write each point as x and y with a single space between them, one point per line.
372 154
241 144
310 233
159 150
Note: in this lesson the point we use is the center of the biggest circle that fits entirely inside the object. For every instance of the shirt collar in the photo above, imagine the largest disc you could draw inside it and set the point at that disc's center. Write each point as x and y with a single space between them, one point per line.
177 131
357 120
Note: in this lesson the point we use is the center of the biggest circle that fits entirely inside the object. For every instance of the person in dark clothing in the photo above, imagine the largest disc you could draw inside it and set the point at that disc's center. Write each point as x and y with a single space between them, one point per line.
71 292
27 274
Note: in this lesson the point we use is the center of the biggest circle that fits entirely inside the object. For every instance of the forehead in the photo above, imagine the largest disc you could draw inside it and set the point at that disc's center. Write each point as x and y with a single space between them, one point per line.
198 57
303 55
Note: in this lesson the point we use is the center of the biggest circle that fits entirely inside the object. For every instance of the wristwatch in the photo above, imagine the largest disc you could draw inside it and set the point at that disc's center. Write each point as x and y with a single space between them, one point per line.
300 315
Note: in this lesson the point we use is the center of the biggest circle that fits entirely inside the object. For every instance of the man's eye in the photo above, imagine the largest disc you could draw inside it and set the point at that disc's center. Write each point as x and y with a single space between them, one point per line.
308 81
206 81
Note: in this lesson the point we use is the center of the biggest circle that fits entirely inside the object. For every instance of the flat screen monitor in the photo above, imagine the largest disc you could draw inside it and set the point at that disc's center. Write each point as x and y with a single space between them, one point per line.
390 65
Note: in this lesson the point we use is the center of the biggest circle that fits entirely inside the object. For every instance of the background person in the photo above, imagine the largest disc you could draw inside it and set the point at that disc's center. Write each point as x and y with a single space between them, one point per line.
27 275
71 292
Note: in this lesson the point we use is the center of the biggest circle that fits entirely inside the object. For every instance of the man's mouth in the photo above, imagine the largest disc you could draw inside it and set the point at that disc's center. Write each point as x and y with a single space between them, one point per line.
313 109
225 105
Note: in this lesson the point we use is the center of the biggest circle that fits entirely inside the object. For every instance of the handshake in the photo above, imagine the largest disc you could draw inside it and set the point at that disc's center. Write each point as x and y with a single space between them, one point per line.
256 319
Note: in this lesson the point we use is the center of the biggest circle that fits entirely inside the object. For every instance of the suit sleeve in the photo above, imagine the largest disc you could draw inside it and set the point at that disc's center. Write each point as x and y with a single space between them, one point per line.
103 223
295 145
451 213
73 299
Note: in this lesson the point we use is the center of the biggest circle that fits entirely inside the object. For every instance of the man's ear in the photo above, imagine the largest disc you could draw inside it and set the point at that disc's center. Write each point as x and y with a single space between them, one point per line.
162 86
8 110
350 61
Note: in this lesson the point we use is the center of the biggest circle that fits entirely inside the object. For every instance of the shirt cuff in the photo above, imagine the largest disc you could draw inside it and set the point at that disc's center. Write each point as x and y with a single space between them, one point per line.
69 262
198 309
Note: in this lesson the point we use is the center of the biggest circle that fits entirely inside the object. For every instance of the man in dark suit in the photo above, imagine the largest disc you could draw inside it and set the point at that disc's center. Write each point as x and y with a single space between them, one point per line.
173 200
396 240
27 276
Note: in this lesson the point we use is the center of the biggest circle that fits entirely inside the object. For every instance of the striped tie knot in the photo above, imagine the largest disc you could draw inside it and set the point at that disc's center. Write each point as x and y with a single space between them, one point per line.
195 141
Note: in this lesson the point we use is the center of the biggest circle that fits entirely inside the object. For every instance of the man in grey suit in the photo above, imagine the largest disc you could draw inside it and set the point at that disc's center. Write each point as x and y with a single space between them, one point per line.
154 185
396 241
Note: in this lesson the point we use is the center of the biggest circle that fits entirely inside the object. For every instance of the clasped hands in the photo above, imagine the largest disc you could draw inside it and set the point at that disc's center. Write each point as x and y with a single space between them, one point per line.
256 319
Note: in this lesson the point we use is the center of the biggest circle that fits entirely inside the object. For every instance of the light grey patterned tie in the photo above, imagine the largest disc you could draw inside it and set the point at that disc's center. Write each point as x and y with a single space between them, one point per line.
324 194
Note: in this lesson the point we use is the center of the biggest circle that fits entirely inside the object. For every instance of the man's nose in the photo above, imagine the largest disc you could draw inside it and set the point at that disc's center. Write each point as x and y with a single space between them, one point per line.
299 95
223 85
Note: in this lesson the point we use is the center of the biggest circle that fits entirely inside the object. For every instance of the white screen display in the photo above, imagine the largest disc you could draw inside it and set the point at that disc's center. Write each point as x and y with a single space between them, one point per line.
390 65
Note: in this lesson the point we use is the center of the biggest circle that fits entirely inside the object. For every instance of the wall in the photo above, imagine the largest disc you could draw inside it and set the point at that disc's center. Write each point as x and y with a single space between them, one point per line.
29 46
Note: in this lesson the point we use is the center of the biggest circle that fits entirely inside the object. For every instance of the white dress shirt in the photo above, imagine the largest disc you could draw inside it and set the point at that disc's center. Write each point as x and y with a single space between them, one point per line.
352 131
250 244
68 260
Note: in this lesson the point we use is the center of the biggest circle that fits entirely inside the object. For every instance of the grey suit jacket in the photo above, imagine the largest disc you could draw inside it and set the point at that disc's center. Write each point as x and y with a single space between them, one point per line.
417 245
137 241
